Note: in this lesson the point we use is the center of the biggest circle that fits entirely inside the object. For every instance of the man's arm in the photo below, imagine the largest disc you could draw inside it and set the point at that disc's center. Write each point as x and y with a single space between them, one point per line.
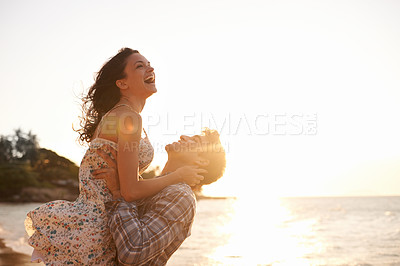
110 174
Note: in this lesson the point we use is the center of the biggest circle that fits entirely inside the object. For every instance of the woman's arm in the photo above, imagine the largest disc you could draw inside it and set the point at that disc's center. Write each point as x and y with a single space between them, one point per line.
110 174
131 187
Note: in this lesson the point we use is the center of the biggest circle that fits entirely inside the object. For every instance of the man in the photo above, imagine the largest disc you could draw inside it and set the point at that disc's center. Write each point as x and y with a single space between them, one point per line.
149 231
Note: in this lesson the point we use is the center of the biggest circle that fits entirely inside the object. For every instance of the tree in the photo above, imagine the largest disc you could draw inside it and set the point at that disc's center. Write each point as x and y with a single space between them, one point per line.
6 149
32 153
24 165
13 178
25 146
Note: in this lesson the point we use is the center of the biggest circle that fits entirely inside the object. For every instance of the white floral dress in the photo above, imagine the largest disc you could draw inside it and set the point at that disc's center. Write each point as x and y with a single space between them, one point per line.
76 232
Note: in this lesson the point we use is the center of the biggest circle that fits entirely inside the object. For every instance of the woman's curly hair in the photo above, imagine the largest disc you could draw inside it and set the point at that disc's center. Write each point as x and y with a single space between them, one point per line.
103 94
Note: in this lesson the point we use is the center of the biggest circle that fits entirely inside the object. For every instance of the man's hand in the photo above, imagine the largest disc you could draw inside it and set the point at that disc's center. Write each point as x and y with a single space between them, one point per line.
109 174
191 174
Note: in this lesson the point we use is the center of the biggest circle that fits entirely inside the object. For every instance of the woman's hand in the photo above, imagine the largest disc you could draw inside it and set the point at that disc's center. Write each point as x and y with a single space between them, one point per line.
190 174
109 174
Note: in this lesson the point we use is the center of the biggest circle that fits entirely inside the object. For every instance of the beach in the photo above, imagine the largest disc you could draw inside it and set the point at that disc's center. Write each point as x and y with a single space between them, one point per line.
287 231
10 257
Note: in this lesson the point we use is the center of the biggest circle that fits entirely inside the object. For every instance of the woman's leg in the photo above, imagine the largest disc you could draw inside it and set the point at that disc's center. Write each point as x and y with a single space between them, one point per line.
150 231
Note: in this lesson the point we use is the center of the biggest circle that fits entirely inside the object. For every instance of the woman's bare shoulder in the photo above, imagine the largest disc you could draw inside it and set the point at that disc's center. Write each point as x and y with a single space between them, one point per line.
121 120
129 123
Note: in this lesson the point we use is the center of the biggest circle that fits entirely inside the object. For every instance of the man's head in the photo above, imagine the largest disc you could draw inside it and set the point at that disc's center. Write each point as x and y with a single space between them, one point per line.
204 150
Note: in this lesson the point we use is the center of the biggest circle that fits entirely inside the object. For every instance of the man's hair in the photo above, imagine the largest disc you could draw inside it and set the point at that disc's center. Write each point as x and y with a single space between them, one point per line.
215 153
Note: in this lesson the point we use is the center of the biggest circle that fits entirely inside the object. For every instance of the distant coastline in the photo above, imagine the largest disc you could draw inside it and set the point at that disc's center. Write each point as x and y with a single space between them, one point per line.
29 173
202 197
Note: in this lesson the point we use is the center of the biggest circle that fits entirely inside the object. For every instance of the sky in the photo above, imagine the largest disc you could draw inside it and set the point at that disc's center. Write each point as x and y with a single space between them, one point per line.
304 93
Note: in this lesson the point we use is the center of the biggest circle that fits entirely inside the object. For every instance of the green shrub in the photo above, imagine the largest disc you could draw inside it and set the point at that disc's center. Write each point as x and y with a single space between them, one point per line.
14 177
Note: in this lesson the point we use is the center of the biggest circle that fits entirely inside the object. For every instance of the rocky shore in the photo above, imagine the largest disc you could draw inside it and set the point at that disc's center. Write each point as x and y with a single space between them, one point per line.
34 194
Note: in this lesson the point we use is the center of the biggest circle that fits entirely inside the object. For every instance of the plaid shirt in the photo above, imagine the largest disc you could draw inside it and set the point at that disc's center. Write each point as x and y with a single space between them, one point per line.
149 231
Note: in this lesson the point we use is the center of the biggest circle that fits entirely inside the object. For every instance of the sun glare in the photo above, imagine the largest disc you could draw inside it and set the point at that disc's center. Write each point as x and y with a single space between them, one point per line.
262 233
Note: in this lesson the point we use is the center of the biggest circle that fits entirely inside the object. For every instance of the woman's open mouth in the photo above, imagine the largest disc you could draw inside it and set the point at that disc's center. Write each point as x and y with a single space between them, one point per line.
150 79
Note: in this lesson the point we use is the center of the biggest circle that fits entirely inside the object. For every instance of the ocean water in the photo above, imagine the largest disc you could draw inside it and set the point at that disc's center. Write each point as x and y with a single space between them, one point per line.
289 231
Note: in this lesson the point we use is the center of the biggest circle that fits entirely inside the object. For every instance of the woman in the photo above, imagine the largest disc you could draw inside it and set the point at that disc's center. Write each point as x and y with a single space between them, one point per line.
63 232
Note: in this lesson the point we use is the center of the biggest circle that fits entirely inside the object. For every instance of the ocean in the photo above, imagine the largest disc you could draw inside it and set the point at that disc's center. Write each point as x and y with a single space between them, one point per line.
288 231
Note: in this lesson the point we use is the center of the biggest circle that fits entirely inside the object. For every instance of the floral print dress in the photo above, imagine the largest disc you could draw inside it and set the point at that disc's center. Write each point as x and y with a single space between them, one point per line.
65 232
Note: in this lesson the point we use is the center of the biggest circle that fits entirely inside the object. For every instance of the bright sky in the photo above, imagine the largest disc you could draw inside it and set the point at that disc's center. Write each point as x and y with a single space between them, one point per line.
304 93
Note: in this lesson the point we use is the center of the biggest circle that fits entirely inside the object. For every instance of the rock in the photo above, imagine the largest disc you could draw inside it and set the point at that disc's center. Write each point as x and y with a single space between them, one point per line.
32 194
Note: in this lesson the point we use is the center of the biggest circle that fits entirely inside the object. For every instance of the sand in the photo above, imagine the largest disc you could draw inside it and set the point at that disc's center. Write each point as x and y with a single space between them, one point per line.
8 257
